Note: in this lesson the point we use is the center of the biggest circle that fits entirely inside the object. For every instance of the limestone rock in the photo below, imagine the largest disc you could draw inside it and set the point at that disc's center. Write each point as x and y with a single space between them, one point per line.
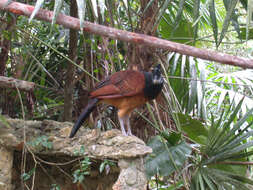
6 158
50 138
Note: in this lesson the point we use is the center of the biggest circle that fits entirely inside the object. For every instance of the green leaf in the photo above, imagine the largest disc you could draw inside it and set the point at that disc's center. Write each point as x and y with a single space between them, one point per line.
234 169
194 129
165 158
102 167
241 122
28 175
178 17
40 142
201 93
82 150
4 122
172 138
162 11
193 85
55 187
230 10
208 181
236 180
201 182
211 6
182 34
217 179
234 18
196 18
225 126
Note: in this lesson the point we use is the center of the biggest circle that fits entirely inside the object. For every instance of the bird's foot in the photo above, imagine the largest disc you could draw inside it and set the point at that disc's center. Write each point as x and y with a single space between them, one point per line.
129 133
124 133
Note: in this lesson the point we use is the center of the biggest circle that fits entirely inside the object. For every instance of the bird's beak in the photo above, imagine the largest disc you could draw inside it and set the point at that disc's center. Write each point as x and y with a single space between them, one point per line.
157 79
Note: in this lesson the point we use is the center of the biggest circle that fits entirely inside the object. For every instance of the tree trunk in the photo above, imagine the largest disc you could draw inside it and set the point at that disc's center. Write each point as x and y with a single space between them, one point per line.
142 57
69 82
5 44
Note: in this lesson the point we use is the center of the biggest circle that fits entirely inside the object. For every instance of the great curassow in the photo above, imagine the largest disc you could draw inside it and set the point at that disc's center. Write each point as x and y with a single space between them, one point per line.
125 90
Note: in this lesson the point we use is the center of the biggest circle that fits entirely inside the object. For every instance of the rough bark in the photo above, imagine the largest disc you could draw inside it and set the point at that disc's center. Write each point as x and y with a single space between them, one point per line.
140 56
5 44
140 39
69 82
6 160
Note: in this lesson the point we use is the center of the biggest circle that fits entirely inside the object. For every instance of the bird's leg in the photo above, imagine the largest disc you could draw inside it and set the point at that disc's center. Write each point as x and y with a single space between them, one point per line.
121 122
128 127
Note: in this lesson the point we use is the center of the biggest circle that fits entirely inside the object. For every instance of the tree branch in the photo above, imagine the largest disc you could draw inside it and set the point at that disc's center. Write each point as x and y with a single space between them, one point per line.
6 82
141 39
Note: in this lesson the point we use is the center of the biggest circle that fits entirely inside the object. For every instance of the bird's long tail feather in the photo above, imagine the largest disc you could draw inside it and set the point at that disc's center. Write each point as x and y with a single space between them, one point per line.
84 115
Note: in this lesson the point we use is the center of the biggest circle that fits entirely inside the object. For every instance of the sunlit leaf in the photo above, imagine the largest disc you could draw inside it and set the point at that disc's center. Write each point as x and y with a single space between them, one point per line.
4 122
178 15
196 10
165 158
193 85
162 11
194 129
230 10
211 7
234 18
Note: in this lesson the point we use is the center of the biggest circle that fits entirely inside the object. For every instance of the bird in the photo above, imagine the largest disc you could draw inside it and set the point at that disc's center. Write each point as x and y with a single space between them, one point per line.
125 90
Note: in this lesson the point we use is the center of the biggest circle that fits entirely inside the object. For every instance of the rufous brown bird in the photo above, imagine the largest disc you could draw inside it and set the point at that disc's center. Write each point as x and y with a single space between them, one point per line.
125 90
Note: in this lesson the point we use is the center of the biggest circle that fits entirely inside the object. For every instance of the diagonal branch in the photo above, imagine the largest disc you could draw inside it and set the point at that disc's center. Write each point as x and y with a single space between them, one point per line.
141 39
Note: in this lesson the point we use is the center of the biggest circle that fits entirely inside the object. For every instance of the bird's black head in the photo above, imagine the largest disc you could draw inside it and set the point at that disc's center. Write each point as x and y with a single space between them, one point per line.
157 76
153 82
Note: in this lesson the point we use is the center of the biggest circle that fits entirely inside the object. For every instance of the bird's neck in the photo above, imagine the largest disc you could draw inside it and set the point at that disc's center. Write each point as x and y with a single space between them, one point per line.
151 90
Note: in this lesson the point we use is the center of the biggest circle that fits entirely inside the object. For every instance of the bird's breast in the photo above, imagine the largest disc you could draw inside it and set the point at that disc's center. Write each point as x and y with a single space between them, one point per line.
125 105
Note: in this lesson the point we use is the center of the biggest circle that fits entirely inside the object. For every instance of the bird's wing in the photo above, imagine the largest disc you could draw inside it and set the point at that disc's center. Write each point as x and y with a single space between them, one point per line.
120 84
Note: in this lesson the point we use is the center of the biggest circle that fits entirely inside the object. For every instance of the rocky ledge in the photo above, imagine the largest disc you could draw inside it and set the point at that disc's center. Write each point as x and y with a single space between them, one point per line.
47 142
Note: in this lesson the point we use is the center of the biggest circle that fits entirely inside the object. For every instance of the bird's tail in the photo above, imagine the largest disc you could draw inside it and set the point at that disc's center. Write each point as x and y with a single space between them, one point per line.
84 115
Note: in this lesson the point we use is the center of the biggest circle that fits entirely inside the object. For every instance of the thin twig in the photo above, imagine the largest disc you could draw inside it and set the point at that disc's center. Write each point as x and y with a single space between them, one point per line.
228 83
57 164
46 172
158 114
69 176
23 161
233 163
